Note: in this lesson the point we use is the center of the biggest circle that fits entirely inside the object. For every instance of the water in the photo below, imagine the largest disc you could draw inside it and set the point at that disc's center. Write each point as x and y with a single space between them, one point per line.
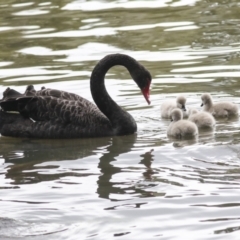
143 186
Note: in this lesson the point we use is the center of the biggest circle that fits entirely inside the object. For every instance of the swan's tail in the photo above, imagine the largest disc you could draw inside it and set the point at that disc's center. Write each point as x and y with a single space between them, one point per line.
10 93
8 118
13 124
8 102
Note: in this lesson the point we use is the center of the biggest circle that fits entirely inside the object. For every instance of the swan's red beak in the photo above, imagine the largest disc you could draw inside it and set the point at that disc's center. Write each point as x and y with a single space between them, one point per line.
146 93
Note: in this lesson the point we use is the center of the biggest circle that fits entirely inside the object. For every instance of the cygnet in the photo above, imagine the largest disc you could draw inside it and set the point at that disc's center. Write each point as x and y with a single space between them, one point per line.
168 106
180 128
219 109
201 119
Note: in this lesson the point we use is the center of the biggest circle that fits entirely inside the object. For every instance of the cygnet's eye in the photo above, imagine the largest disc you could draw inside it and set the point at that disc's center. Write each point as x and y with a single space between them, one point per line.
183 107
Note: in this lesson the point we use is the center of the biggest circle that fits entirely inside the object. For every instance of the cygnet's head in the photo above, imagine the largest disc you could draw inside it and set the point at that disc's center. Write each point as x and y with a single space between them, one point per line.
206 99
176 114
193 111
181 102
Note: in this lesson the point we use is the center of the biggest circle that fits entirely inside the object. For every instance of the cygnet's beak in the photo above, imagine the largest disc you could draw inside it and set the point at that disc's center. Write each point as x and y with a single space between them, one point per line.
202 105
184 108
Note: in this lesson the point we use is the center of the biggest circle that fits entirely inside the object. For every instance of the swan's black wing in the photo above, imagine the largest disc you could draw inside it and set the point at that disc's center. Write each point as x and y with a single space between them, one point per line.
48 92
52 117
8 102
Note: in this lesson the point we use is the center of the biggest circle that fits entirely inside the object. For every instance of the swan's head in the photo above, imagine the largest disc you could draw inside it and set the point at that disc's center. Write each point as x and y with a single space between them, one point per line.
181 102
176 114
143 79
206 99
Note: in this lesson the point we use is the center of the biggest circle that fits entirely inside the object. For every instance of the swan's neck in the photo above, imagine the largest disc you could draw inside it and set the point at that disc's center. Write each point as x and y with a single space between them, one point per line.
122 122
208 106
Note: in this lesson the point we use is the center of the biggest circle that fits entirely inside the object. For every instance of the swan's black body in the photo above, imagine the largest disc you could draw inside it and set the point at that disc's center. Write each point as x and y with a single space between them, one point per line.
50 113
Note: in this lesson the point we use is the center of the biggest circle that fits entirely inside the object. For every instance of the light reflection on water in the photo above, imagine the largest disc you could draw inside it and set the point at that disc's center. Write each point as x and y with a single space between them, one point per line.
144 186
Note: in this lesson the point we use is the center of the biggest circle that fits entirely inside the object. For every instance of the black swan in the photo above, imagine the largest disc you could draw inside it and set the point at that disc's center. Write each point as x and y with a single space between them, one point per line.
50 113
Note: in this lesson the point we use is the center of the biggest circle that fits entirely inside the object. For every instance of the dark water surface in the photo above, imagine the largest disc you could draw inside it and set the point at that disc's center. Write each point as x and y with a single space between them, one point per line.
143 186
